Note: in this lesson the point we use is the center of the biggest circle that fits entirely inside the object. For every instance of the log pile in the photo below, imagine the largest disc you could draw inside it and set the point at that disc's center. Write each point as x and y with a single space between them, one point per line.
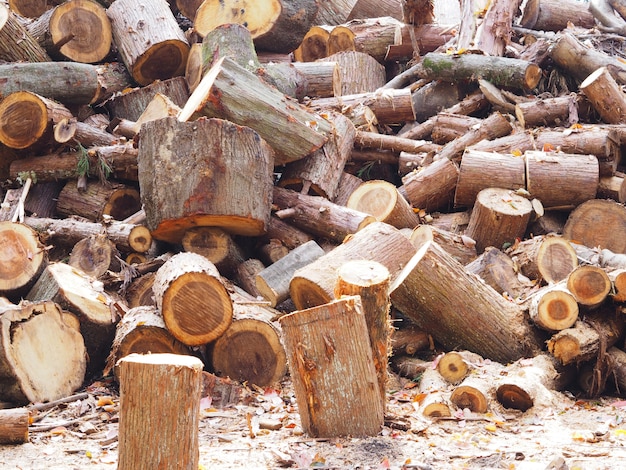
199 179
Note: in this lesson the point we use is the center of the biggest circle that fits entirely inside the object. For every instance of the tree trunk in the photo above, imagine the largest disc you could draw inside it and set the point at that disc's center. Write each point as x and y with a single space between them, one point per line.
587 225
156 391
75 132
328 351
16 43
175 200
457 246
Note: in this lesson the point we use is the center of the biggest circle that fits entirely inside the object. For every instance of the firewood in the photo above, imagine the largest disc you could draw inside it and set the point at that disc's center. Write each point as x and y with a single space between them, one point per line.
273 282
16 43
448 126
554 15
376 8
30 9
348 183
407 162
453 367
42 113
612 187
329 403
461 248
396 144
314 45
473 394
250 350
605 95
489 32
547 259
436 403
94 255
409 340
618 357
499 216
216 245
553 308
410 40
70 130
276 26
139 292
436 292
23 259
500 272
334 12
192 299
14 426
141 331
588 223
77 30
431 187
144 382
590 285
314 284
618 281
371 36
382 200
370 280
59 349
188 7
246 276
289 235
557 111
76 292
98 200
158 50
42 197
321 79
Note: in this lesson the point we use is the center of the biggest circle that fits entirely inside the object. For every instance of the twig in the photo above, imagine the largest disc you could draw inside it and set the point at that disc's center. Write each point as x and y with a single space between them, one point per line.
52 404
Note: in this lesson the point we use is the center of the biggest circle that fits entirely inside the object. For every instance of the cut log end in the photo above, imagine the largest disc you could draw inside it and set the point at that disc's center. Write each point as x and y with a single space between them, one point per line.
515 397
589 285
22 258
453 367
23 119
164 60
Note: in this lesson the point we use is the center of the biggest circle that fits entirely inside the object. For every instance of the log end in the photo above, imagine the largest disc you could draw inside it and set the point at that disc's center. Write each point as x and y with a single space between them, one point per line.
162 61
173 230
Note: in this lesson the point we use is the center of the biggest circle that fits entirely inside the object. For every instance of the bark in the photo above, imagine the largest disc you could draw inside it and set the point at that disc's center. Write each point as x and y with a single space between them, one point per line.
359 72
396 144
412 40
382 200
587 225
605 95
460 248
216 245
557 111
98 201
334 12
75 132
554 15
500 272
14 426
16 43
612 187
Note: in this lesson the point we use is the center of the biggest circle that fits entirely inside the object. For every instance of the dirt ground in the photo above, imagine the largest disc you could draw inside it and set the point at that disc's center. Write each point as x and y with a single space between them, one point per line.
262 431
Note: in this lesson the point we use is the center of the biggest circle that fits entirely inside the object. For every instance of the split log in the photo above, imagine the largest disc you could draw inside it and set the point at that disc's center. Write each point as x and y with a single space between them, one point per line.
489 32
545 259
47 369
216 245
273 282
314 284
499 216
40 113
453 367
473 394
16 43
590 285
328 352
229 91
98 201
94 256
500 272
605 95
289 235
68 232
23 259
76 30
436 292
553 308
155 391
382 200
276 26
319 216
173 205
460 248
588 225
432 187
554 15
148 39
76 292
141 331
370 281
192 299
250 350
14 426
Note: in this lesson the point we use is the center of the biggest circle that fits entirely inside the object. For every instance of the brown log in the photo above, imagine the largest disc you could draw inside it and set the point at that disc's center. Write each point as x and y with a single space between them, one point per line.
594 224
314 284
348 183
21 107
30 8
98 201
382 200
554 15
145 416
612 187
334 12
453 367
276 25
590 285
548 259
16 43
59 369
192 299
314 45
605 95
322 79
370 281
246 276
407 162
70 130
396 144
273 282
216 245
557 111
371 36
289 235
472 394
141 331
156 51
319 216
436 292
500 272
74 291
409 340
14 426
436 403
173 207
375 8
410 40
272 251
329 404
250 350
448 126
432 187
618 281
553 308
618 357
460 248
499 216
94 255
360 72
139 292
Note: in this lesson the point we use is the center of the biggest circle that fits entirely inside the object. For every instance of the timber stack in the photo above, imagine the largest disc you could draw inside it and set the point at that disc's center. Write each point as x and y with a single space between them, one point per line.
194 178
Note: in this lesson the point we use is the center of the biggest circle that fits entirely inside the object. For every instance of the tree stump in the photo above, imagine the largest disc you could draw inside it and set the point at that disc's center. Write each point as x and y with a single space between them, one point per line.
193 301
159 411
332 368
179 181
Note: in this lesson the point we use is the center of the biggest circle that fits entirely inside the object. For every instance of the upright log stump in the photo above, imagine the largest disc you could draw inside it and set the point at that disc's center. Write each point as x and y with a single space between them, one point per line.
159 411
331 365
194 174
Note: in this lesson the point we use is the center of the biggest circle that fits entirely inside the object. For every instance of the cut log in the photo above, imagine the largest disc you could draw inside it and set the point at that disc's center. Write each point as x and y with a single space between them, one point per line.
272 251
590 285
436 403
314 284
472 394
605 95
216 245
612 187
250 350
594 224
347 185
149 422
409 340
436 292
30 8
98 201
27 119
16 43
148 39
500 216
453 367
74 291
94 255
314 45
245 276
557 111
431 187
548 259
553 308
139 292
368 35
22 259
396 144
382 200
618 281
14 426
175 200
141 331
276 25
500 272
370 280
461 248
334 12
328 352
273 282
447 126
554 15
289 235
75 132
190 295
47 369
619 368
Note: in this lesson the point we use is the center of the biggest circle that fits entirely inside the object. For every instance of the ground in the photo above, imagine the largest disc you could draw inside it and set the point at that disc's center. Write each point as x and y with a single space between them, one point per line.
263 431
